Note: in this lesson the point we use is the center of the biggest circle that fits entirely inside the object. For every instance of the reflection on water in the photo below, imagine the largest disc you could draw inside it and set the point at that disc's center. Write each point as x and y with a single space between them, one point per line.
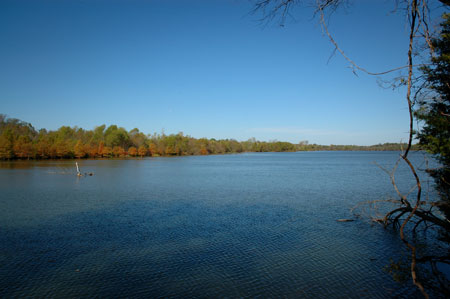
212 226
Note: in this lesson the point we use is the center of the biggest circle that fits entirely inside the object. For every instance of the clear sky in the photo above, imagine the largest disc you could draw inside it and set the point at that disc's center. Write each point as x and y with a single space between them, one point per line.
206 68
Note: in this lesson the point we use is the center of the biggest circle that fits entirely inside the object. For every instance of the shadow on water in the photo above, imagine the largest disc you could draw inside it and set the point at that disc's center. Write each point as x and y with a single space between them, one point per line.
142 249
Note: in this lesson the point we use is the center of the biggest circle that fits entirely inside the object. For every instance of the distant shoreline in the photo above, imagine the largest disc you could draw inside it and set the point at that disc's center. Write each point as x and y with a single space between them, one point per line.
20 141
175 156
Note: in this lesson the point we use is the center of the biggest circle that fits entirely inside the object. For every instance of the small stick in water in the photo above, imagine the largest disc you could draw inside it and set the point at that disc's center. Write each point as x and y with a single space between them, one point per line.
78 170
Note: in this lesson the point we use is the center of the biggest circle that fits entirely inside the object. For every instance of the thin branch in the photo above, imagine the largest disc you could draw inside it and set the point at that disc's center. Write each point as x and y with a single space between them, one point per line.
413 29
354 65
403 198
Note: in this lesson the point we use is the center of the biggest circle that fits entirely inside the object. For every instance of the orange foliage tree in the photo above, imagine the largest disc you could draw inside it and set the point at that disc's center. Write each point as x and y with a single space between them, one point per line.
107 152
79 150
118 151
23 148
132 151
142 151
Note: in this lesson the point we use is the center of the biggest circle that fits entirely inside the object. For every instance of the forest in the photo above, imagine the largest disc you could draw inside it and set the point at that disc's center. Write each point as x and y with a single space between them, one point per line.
20 140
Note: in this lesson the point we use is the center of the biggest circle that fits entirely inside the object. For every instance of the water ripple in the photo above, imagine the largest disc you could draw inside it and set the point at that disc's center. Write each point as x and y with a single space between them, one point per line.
200 227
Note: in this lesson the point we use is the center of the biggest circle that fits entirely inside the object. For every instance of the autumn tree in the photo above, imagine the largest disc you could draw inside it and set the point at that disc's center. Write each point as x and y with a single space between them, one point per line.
107 152
79 150
132 151
92 150
42 145
6 147
23 147
152 149
118 151
62 149
101 147
142 151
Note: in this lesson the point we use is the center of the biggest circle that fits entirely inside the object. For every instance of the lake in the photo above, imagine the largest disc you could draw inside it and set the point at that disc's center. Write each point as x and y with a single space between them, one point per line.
246 225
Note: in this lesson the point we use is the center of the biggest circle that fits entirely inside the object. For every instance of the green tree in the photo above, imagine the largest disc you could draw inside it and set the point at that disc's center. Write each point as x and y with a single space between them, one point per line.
98 134
65 133
435 113
115 136
137 138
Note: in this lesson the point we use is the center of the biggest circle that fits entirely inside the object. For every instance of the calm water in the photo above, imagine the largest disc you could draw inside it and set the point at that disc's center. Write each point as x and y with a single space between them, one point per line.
244 225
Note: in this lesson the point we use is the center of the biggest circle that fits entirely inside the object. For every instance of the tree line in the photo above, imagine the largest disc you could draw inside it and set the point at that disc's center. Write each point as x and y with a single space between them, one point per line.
19 140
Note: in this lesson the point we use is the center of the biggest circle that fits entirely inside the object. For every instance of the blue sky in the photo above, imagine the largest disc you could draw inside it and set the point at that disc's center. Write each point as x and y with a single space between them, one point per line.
206 68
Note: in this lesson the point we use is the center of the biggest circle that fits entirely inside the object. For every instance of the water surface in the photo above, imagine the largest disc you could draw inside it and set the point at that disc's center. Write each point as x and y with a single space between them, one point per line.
248 225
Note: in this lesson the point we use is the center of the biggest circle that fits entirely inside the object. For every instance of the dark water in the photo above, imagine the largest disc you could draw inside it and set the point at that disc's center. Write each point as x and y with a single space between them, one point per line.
250 225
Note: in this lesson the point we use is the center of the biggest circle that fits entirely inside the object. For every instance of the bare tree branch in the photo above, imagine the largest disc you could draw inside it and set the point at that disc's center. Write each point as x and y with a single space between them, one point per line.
417 13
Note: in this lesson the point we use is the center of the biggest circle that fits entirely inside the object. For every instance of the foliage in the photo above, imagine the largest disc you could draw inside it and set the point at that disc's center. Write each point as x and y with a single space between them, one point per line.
132 151
19 140
434 111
